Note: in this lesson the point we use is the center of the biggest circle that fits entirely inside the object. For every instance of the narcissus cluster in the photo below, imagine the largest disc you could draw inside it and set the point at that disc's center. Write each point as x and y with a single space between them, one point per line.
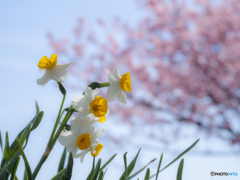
91 107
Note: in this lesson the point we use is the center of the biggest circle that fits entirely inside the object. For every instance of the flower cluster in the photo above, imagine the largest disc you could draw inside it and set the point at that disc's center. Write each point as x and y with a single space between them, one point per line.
91 107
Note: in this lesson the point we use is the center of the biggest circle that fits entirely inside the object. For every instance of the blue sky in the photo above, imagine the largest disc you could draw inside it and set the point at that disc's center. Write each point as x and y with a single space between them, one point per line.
23 42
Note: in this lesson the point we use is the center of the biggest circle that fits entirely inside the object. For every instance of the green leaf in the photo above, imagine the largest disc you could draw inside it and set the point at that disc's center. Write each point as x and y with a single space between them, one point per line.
159 165
37 107
180 155
25 176
147 175
6 150
141 170
104 172
68 172
62 88
130 166
101 176
15 166
125 165
24 134
14 144
62 161
180 169
96 171
37 120
22 138
1 144
12 162
28 169
92 171
108 162
34 126
3 172
59 175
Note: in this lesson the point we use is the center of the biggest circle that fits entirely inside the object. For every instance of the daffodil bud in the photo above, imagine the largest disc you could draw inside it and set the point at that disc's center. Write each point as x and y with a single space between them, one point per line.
67 126
94 85
62 88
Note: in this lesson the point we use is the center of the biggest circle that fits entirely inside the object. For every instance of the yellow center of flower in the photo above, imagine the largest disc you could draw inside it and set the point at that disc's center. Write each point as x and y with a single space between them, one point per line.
46 63
83 141
99 106
97 150
126 82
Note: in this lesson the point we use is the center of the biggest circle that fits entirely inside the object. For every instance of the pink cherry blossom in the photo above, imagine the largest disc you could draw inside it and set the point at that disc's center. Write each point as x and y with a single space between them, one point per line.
184 59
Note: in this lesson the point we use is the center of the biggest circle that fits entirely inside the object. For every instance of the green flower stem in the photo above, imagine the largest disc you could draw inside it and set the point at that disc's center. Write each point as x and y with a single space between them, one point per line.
104 84
57 120
71 110
52 143
40 163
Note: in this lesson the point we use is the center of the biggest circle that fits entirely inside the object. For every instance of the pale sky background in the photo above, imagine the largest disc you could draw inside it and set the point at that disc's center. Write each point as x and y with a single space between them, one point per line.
23 42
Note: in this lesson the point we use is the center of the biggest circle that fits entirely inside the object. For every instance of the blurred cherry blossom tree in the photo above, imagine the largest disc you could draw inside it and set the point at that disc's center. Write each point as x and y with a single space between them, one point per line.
184 59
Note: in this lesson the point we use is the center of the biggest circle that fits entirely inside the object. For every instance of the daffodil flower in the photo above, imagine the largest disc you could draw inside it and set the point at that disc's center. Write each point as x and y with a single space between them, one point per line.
52 70
81 137
117 85
91 104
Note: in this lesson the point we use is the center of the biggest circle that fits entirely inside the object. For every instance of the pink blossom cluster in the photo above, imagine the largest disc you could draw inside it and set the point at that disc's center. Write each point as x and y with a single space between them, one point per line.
184 59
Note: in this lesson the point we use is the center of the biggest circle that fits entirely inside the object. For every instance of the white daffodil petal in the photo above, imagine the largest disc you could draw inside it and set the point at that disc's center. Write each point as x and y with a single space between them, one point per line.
99 132
76 99
73 150
107 71
82 154
91 118
95 118
113 77
95 93
89 94
80 103
76 126
122 97
58 74
116 71
72 147
81 126
46 77
67 138
53 75
95 135
112 92
42 70
87 127
64 66
84 112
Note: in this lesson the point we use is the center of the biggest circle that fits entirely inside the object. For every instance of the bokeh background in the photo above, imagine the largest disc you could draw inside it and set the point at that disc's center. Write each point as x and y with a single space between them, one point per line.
183 57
